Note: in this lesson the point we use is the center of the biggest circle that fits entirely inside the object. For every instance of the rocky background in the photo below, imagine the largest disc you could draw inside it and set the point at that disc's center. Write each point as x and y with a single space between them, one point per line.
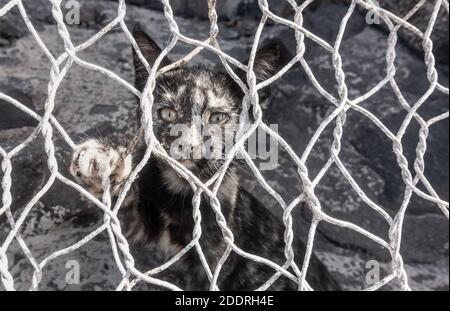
88 105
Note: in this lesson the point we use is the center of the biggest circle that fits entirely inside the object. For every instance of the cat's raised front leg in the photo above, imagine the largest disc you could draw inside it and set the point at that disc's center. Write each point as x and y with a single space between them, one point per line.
93 158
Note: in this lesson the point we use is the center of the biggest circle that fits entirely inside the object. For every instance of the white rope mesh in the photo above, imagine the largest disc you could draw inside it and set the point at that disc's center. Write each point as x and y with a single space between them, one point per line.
120 247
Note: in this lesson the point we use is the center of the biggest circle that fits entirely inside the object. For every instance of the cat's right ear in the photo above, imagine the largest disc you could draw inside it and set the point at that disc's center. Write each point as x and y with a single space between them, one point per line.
150 50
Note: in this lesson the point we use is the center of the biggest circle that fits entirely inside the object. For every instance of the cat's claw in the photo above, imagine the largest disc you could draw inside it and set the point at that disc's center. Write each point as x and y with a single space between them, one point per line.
92 160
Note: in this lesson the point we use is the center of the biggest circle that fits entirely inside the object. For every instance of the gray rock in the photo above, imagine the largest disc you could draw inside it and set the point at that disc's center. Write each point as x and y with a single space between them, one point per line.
366 152
10 116
10 29
237 9
421 20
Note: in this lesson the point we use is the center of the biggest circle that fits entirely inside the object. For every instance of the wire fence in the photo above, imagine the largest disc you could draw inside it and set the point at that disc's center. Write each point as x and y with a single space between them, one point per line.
48 124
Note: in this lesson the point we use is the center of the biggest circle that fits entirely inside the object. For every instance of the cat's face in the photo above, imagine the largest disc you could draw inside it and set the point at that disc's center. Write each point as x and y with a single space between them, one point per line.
195 115
196 111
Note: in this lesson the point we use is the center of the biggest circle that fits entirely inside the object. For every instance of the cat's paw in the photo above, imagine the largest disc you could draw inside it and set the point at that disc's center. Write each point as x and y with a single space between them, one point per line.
93 159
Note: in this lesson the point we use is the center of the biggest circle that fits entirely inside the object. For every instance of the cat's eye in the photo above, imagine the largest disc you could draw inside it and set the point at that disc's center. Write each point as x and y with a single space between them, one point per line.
168 114
219 118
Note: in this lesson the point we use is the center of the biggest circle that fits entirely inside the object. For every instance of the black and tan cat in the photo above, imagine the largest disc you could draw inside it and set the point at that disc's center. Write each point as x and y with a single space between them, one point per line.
160 207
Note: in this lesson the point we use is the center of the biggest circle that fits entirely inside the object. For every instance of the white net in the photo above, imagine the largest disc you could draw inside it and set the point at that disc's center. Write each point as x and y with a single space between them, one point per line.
120 247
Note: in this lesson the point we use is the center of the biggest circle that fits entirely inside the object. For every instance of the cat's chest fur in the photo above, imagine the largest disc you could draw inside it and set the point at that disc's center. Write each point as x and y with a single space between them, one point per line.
166 206
165 216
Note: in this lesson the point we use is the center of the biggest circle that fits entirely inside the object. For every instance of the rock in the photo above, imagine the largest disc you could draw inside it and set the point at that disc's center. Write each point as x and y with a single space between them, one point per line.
10 116
421 19
238 9
10 29
366 152
199 9
95 13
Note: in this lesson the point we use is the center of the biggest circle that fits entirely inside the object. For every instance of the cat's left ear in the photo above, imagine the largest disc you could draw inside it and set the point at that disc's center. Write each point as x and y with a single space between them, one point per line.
268 61
150 50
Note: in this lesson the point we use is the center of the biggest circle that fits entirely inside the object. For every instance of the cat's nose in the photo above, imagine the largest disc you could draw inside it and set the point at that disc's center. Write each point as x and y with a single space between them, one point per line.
195 152
187 152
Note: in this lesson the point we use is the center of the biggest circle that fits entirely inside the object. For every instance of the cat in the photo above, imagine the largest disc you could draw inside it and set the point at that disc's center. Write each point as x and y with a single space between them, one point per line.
159 208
